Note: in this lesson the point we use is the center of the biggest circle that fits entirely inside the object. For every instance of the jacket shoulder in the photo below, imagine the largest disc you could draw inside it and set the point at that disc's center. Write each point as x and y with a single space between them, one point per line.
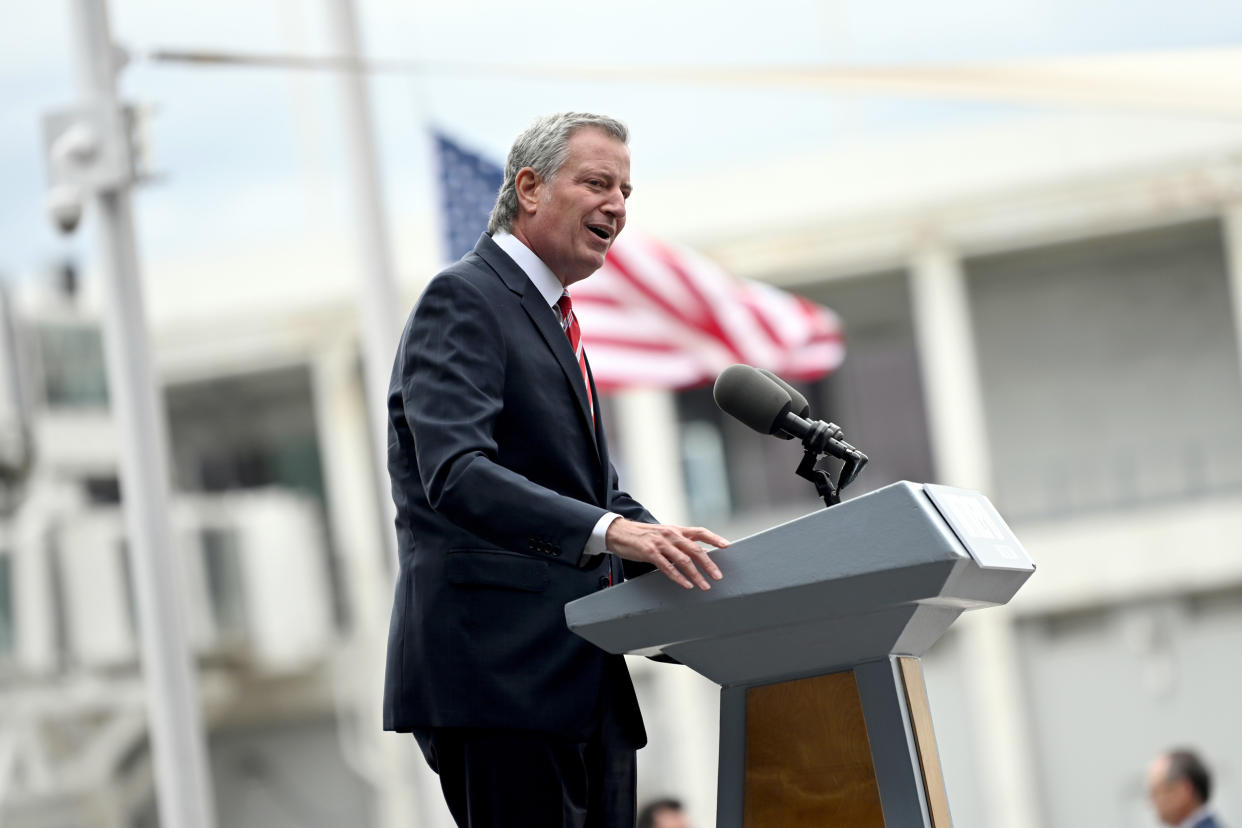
474 270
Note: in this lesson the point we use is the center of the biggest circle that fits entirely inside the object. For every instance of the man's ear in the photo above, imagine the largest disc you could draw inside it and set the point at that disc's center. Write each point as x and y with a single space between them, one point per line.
529 185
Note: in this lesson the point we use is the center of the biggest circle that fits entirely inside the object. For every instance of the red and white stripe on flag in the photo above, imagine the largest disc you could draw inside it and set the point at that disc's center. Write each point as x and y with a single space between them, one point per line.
657 315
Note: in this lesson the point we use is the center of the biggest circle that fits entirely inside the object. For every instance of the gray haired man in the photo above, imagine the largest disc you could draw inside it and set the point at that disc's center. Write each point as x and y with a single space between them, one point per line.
1179 785
508 507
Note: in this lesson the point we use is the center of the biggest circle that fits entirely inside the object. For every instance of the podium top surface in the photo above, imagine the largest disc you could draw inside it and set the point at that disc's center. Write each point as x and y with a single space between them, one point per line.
883 573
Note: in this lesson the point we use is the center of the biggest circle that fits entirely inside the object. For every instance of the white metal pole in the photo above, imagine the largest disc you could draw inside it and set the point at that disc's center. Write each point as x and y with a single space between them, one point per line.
377 300
183 790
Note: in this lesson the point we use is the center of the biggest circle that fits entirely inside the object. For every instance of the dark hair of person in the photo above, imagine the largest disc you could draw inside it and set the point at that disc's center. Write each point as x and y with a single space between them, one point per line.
646 817
1186 764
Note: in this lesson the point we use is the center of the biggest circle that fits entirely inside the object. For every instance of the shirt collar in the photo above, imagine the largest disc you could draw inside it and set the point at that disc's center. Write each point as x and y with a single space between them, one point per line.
540 275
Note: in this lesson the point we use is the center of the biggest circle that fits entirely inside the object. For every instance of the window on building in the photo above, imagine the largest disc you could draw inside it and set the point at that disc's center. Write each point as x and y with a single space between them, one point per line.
245 432
102 489
732 471
71 355
875 396
1109 370
222 566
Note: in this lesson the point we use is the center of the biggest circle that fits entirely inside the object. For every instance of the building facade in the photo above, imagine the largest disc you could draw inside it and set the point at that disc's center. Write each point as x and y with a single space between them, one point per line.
1047 312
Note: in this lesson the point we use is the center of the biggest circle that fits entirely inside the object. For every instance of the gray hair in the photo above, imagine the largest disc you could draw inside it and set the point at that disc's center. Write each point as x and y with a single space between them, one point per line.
543 147
1184 763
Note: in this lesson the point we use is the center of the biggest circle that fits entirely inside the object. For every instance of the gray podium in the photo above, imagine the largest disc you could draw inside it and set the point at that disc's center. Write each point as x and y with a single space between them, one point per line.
815 635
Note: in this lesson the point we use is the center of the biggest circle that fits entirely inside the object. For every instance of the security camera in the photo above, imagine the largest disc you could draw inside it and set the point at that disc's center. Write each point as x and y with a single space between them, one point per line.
64 205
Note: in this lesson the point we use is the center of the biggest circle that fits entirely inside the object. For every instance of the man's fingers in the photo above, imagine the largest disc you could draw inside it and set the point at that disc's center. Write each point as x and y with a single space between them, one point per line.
687 544
686 564
708 565
670 570
698 533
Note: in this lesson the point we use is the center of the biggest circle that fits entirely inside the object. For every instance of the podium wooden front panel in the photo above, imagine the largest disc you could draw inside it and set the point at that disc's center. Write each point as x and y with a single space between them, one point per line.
808 760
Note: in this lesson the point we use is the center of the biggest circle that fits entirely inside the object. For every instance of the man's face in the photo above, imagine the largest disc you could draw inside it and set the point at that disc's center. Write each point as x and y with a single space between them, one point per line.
571 220
1173 799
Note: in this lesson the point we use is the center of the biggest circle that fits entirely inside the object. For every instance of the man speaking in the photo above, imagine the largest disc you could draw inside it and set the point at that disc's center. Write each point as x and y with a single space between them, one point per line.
508 507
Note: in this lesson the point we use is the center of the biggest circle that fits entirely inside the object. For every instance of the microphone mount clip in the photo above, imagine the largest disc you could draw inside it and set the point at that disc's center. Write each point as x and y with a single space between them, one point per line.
821 442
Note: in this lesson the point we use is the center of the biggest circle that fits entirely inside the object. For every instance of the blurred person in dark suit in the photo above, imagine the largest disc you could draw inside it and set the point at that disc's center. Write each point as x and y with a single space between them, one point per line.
508 507
663 813
1179 785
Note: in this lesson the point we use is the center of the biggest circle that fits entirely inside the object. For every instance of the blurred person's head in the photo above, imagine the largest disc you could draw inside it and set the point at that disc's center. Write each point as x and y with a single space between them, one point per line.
566 181
1178 783
663 813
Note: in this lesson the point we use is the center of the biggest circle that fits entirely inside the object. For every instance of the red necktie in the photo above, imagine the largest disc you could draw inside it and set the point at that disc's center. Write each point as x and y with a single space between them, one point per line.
569 322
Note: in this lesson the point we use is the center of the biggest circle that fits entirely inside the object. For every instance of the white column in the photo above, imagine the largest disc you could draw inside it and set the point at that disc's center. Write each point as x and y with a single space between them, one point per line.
695 702
956 421
1231 225
950 375
647 453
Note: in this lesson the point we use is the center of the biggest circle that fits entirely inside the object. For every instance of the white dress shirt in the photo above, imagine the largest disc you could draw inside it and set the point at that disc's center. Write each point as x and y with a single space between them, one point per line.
550 288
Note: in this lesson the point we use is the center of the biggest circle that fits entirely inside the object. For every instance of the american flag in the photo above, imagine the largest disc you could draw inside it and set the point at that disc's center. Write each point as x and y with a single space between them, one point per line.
468 187
658 314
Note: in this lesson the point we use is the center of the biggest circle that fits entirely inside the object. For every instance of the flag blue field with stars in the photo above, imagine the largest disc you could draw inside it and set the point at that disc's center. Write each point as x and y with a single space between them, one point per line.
468 187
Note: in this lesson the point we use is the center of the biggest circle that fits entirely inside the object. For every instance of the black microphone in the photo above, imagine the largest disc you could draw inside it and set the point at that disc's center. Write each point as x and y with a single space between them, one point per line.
744 393
760 401
799 404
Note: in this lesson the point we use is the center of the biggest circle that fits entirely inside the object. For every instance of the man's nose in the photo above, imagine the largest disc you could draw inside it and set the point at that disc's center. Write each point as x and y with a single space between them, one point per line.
615 206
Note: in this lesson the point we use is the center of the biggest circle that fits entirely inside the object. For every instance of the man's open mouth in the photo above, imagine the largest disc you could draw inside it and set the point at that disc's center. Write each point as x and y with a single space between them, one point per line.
603 232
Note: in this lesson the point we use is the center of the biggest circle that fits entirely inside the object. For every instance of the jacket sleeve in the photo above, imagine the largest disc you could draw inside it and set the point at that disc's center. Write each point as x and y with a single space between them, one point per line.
620 501
451 365
627 507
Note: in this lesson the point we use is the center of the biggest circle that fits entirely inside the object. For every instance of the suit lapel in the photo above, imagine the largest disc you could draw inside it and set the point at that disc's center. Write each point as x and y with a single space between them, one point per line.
544 320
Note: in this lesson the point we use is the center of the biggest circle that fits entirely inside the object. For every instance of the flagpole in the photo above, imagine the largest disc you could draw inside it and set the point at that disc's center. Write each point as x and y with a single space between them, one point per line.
377 298
405 794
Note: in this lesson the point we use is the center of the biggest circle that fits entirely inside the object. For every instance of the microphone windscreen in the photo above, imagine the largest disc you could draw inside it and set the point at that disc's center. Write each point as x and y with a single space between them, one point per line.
800 406
742 392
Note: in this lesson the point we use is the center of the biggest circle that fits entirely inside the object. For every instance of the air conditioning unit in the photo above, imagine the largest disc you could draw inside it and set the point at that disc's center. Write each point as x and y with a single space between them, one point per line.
253 581
30 605
97 603
263 565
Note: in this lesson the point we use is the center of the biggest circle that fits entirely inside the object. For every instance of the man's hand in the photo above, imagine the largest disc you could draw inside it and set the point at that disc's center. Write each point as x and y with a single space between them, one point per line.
674 550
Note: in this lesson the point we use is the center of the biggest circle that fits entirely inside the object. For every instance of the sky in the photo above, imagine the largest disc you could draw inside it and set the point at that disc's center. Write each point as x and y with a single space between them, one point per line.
248 154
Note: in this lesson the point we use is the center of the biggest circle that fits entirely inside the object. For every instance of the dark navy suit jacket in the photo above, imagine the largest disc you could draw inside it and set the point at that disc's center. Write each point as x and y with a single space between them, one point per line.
499 477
